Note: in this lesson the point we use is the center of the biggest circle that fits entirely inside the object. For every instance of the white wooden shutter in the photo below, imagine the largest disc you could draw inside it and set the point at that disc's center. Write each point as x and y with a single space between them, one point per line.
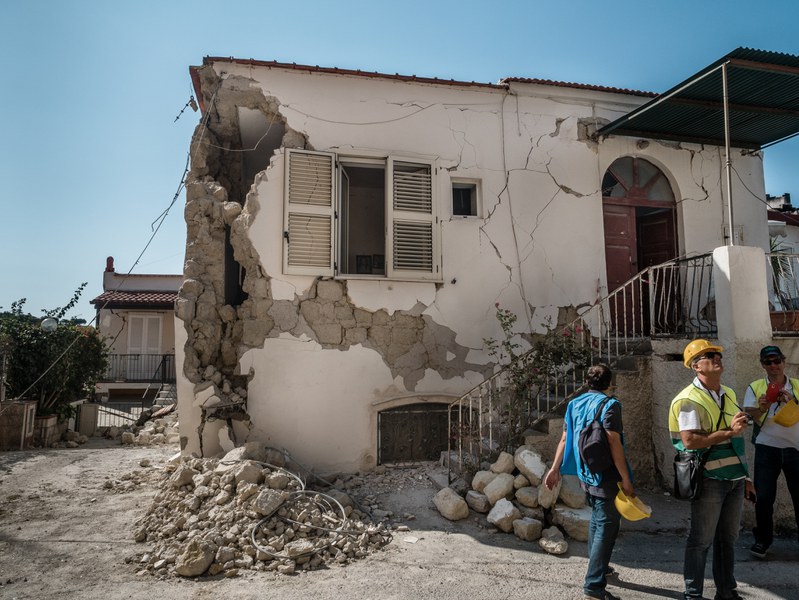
144 338
413 232
308 213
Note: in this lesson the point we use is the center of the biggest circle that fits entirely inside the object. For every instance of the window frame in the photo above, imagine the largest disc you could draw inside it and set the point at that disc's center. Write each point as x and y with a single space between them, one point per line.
397 223
478 201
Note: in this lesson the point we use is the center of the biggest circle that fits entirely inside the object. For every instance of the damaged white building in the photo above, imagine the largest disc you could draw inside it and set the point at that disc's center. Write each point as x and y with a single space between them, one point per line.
350 235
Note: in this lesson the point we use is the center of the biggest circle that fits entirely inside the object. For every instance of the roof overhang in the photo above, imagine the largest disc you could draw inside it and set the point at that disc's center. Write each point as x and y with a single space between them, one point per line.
152 300
762 99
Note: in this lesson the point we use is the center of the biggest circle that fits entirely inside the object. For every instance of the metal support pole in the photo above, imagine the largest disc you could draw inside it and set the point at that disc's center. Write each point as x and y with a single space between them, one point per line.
728 159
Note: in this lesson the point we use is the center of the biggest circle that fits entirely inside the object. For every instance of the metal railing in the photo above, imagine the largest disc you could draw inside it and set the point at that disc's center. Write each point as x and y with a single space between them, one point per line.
118 414
783 290
673 299
141 368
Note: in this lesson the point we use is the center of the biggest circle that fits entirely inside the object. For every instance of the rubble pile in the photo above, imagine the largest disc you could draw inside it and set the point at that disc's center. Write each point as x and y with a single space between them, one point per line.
220 516
512 494
153 427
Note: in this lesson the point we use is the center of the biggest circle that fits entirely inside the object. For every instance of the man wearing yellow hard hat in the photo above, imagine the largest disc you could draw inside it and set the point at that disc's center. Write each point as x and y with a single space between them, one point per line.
706 418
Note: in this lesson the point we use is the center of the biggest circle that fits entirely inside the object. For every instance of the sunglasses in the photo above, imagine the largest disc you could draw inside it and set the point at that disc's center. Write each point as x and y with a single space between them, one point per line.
771 361
710 355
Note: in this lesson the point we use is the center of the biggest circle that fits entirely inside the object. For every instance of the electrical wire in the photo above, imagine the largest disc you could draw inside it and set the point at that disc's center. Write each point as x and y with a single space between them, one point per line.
155 226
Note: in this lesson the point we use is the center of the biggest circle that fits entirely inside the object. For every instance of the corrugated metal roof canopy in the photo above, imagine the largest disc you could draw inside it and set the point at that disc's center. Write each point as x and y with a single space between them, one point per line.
763 98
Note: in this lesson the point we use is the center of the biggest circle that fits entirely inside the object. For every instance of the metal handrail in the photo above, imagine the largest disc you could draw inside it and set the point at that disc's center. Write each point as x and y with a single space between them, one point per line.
672 299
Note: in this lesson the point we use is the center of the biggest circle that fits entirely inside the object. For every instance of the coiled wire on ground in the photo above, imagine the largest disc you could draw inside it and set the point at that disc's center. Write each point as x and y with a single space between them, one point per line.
323 501
328 506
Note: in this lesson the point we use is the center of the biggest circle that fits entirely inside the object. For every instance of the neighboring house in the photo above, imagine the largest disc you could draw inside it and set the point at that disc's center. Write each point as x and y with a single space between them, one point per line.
783 223
135 315
350 235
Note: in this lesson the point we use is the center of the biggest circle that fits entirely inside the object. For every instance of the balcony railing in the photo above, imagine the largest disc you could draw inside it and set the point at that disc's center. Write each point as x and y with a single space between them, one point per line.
673 299
141 368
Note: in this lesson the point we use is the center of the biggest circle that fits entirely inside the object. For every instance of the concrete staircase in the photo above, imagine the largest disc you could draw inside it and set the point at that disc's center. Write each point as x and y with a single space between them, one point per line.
167 395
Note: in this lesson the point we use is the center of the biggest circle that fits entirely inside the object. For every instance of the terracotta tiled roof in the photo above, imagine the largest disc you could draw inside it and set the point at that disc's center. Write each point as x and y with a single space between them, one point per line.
140 299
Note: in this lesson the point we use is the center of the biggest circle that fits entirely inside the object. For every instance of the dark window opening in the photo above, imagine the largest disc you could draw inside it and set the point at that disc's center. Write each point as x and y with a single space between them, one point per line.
464 199
363 219
234 275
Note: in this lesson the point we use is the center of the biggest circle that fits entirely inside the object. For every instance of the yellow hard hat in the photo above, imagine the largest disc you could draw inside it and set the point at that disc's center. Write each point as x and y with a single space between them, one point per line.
697 347
632 509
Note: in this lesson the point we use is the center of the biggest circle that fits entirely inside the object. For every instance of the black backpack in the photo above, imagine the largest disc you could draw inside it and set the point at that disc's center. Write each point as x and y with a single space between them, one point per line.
593 444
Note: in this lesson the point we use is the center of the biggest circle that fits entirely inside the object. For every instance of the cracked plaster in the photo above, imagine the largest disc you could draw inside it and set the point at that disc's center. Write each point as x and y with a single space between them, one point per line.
410 343
547 194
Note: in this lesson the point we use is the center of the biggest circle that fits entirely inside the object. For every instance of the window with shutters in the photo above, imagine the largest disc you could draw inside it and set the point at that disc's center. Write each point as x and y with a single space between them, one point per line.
360 217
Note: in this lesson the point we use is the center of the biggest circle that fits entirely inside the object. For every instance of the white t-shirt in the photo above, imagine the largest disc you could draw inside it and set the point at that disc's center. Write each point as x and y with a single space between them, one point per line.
688 418
771 433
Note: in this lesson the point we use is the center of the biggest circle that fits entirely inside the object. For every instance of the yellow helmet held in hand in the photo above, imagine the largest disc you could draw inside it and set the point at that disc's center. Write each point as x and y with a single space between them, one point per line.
697 347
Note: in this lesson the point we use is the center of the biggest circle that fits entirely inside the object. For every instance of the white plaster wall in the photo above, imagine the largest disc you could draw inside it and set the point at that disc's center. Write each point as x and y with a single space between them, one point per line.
316 403
110 324
539 244
113 281
189 420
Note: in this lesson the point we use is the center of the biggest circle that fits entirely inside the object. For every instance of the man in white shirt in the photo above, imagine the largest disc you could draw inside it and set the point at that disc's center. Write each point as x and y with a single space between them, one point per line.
776 446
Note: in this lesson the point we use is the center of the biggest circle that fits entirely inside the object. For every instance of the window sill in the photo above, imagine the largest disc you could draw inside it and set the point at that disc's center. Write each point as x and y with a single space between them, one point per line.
383 278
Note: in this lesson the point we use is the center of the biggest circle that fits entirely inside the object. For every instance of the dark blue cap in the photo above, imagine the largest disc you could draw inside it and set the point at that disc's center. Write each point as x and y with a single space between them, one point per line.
767 351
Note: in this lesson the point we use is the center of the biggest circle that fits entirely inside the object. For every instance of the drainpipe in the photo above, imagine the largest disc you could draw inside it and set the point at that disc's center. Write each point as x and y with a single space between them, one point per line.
728 160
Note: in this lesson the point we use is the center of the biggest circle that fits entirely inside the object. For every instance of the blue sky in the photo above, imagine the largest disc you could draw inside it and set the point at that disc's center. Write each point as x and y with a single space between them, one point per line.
92 155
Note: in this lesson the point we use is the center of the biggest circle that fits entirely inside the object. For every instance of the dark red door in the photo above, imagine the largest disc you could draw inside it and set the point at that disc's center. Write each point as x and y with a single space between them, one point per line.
662 287
656 231
621 256
621 249
638 212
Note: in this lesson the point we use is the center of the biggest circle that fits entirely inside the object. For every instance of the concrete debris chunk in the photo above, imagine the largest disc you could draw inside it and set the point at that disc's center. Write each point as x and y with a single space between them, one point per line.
503 515
478 502
500 487
527 529
451 505
574 521
267 501
547 497
196 558
571 493
527 496
503 464
481 479
530 464
553 542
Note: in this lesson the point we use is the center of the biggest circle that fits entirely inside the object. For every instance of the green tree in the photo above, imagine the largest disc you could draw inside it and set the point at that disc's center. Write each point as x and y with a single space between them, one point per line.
51 367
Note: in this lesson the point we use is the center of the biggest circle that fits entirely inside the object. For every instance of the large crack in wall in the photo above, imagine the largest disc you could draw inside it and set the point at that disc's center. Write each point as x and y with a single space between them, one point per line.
220 207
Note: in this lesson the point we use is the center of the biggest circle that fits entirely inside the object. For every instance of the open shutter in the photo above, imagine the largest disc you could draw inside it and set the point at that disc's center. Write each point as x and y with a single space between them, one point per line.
308 213
413 232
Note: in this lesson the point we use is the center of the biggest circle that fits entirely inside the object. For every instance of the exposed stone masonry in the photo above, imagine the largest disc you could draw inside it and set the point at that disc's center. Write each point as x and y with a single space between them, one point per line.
219 331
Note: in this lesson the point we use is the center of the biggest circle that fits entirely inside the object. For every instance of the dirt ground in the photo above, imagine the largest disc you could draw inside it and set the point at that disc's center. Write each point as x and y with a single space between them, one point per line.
67 518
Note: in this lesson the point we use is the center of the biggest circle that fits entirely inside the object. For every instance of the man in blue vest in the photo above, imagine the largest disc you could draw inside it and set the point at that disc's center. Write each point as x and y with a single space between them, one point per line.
705 417
601 488
776 445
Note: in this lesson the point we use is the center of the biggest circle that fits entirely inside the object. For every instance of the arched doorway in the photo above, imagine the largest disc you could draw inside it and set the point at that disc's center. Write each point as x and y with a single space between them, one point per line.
639 215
